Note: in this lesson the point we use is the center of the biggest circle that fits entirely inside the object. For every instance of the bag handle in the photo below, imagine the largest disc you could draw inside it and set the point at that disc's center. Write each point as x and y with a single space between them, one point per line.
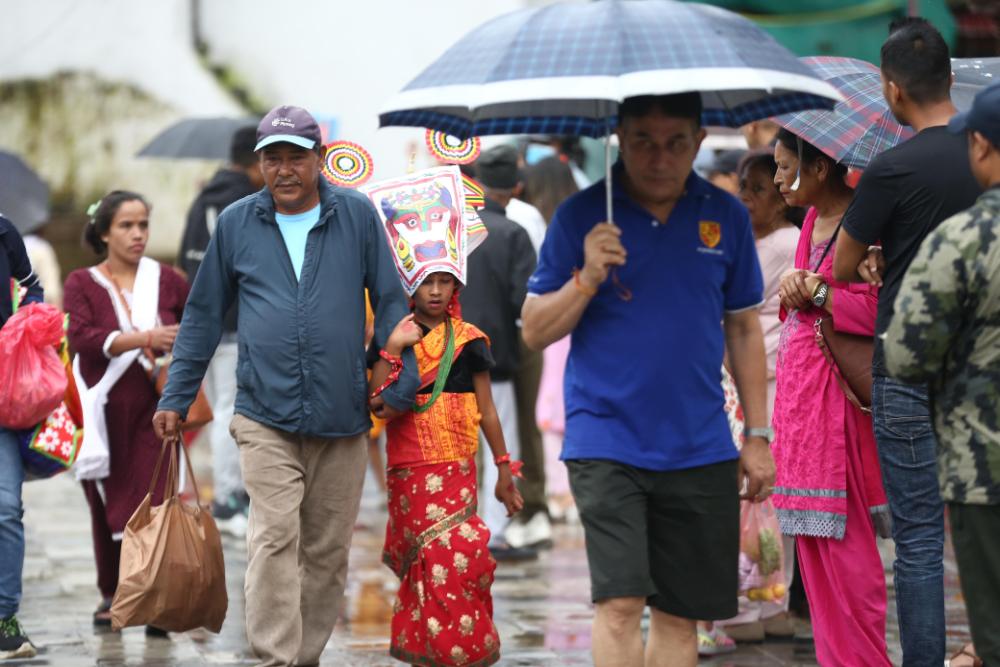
829 246
172 473
159 464
15 295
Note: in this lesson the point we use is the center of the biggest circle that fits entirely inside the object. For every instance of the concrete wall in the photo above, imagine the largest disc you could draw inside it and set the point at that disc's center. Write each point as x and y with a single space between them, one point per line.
84 84
146 44
342 59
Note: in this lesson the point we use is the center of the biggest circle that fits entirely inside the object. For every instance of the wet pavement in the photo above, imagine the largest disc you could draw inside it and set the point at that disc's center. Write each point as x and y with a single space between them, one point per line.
542 608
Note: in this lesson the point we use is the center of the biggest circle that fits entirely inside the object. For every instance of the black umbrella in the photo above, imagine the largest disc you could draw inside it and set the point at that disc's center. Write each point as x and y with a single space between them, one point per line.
24 197
971 76
197 138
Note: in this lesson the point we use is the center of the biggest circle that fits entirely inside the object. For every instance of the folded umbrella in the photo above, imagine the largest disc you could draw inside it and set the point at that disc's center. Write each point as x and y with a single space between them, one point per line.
24 196
197 138
858 128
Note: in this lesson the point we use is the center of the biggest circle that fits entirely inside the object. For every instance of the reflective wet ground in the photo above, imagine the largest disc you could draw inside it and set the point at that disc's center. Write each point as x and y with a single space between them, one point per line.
542 608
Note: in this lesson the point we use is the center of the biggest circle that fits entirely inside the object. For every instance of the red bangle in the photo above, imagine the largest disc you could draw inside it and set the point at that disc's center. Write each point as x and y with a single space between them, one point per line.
515 466
395 368
391 358
149 339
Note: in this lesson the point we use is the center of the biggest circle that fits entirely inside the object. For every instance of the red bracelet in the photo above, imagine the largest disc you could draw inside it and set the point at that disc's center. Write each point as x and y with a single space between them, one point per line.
515 466
395 368
149 339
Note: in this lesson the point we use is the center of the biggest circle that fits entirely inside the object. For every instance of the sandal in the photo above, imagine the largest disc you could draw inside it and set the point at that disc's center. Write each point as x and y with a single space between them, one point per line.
102 615
967 651
714 642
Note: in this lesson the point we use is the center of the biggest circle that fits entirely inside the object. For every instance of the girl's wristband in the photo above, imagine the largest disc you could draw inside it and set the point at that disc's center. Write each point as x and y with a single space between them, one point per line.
395 368
515 466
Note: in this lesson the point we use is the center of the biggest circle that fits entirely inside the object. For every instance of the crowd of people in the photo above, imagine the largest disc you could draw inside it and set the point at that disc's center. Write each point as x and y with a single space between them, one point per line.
570 368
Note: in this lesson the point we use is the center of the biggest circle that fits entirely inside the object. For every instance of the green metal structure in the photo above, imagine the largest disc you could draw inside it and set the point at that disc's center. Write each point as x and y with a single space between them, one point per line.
854 28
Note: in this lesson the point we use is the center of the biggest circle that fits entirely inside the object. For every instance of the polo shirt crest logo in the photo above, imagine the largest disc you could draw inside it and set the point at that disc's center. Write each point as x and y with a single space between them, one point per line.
710 233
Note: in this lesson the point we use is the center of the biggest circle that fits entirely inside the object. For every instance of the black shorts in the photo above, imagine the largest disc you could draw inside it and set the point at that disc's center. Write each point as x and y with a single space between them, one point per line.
671 537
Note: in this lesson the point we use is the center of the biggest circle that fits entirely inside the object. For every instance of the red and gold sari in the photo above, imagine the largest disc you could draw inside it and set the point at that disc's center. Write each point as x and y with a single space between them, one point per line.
435 542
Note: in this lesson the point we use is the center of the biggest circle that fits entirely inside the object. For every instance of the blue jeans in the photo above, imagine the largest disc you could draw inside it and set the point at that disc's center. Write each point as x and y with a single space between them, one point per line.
907 452
11 528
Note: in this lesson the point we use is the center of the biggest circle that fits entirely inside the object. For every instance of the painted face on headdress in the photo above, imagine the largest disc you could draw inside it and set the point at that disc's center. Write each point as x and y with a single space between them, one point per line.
423 225
423 216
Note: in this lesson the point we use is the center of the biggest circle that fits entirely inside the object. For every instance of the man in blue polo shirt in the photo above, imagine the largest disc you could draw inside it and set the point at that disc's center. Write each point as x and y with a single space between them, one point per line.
652 302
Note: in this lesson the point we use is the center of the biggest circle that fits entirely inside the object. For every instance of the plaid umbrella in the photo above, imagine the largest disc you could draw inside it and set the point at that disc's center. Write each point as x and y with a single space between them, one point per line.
563 69
971 76
860 127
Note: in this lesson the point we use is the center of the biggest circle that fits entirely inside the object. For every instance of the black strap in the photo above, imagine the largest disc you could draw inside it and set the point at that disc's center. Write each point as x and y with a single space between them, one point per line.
833 239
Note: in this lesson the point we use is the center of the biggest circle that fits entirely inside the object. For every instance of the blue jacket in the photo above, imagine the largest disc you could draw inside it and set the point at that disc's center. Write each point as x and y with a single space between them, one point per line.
301 365
14 264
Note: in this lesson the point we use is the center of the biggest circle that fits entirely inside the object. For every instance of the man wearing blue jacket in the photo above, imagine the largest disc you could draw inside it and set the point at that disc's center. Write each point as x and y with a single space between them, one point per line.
296 258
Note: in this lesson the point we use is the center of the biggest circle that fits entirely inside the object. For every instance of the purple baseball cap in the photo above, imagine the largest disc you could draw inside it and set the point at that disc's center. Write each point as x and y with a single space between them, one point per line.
292 124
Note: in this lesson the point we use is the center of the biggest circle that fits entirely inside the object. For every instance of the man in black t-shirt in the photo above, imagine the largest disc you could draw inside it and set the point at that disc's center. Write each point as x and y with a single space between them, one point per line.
902 196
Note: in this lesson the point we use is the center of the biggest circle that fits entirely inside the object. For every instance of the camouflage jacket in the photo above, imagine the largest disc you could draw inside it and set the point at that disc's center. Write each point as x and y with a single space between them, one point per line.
946 332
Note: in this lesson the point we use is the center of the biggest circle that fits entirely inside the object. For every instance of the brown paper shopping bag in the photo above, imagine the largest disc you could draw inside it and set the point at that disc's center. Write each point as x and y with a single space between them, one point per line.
172 574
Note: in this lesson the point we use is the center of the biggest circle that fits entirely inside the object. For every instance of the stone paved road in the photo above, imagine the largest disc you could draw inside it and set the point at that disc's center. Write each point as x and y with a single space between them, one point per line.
542 608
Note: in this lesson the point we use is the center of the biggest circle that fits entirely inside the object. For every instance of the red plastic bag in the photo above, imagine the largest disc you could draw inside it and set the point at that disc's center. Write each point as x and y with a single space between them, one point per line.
32 378
762 554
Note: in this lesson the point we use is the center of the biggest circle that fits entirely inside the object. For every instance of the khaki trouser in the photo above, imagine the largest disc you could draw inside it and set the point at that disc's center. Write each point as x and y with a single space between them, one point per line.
304 498
526 383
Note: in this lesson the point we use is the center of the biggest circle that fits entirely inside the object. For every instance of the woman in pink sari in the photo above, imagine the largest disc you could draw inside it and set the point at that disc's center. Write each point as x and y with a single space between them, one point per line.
828 491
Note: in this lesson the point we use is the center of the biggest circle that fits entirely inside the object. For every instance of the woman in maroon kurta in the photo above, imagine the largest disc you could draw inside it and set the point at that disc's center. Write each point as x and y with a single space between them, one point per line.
120 228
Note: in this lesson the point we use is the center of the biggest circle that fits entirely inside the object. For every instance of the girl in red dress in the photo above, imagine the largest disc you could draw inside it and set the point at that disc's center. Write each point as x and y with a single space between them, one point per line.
435 542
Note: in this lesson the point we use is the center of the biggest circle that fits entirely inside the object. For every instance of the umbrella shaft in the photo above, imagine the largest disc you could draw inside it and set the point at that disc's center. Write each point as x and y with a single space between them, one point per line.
607 176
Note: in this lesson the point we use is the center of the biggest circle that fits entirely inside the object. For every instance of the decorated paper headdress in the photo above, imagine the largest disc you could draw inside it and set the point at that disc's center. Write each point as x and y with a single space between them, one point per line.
426 222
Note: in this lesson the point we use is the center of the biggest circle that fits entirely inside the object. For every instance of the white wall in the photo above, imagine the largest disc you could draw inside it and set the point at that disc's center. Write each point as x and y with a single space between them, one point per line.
340 58
145 43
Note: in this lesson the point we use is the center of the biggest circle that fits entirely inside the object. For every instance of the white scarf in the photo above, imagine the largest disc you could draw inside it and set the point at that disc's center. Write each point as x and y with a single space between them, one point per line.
94 460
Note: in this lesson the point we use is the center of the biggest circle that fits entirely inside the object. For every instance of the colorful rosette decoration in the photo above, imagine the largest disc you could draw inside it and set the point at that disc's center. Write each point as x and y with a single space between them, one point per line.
452 150
347 164
475 199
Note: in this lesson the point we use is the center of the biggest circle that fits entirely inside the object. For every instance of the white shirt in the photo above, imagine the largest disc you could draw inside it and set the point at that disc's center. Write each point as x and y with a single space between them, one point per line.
531 219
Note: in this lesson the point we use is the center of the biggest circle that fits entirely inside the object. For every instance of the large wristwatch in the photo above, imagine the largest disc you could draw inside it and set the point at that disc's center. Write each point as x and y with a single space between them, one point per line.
820 295
766 433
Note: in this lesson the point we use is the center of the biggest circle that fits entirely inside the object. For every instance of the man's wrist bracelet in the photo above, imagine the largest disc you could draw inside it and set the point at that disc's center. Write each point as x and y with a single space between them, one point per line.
580 287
